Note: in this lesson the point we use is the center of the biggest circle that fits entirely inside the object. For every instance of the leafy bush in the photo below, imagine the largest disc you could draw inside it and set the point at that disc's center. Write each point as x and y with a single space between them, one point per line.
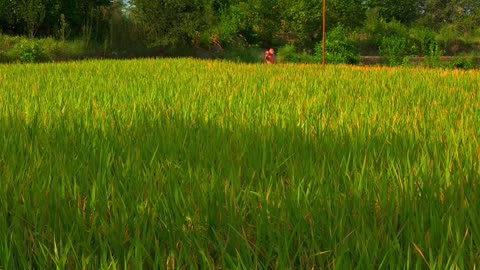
288 54
31 52
5 57
393 49
21 49
341 48
433 58
242 54
377 28
463 64
392 39
421 40
454 40
407 61
466 63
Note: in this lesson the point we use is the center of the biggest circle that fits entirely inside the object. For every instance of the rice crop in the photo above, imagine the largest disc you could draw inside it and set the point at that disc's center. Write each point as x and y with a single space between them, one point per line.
190 164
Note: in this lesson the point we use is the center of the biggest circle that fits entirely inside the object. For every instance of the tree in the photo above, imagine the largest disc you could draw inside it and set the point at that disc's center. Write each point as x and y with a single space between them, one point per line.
10 19
86 16
349 13
302 19
404 11
302 22
32 12
173 22
439 13
43 17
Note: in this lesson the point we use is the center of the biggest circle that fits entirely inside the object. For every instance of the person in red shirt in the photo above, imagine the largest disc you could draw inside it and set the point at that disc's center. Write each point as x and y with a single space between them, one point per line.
270 57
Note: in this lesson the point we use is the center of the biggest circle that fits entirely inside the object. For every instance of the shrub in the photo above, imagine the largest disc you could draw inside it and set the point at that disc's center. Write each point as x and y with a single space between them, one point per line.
378 28
243 54
421 39
31 52
454 40
463 64
21 49
341 48
469 62
407 61
288 54
433 58
393 39
393 49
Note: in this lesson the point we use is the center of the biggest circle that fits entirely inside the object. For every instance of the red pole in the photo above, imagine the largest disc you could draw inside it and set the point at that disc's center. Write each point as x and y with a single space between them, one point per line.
324 32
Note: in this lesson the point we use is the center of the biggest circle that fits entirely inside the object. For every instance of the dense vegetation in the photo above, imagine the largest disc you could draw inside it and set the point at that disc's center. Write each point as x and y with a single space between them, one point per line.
184 164
238 29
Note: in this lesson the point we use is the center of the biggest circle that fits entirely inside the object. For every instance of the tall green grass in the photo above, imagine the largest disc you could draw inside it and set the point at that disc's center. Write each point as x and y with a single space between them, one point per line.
20 49
180 163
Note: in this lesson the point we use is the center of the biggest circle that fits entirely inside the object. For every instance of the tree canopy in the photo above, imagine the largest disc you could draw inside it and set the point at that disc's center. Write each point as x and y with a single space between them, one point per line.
172 23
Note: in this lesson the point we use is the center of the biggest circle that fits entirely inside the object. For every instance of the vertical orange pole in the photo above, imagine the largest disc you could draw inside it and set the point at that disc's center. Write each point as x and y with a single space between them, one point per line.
324 32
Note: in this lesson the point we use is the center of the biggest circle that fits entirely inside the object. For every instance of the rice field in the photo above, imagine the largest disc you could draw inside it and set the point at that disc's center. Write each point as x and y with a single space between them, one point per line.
190 164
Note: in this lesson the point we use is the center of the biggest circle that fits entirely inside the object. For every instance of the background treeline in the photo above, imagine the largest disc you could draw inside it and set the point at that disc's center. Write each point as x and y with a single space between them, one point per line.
397 30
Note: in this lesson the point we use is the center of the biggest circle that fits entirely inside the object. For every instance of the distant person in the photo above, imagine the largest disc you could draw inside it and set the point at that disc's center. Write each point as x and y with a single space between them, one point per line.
270 57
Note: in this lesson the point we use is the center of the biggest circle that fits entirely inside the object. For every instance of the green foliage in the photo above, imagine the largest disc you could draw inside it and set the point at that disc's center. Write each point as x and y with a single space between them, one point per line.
395 40
31 51
393 49
126 36
407 61
433 59
6 57
241 54
341 48
64 30
289 54
21 49
391 38
234 27
378 28
182 26
43 17
301 22
7 43
421 40
349 13
265 16
33 13
405 11
441 13
467 63
229 26
454 40
171 23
